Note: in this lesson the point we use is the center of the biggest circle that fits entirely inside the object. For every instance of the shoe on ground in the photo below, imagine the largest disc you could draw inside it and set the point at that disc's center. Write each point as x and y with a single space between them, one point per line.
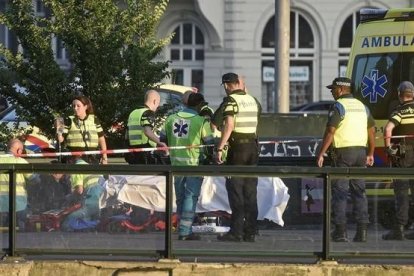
394 235
409 236
249 238
229 237
191 237
360 236
339 236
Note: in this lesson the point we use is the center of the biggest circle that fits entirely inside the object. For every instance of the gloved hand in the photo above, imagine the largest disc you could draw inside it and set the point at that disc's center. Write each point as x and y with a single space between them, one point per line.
391 151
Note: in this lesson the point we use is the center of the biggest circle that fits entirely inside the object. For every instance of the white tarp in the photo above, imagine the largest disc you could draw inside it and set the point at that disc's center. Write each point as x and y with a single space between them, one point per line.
149 192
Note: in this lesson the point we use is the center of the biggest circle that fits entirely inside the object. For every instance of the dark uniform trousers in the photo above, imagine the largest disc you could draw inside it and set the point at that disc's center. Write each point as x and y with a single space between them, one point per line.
349 157
401 187
143 157
242 192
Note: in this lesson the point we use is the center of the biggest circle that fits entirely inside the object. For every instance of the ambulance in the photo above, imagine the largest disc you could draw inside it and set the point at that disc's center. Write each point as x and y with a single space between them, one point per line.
382 55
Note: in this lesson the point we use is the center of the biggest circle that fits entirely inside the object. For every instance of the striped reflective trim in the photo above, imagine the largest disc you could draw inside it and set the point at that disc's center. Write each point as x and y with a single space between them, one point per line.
406 121
90 180
379 192
135 137
247 114
135 127
176 161
77 132
246 124
4 187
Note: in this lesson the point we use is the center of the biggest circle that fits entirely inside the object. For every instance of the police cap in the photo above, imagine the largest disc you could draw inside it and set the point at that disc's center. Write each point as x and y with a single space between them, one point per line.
229 77
341 81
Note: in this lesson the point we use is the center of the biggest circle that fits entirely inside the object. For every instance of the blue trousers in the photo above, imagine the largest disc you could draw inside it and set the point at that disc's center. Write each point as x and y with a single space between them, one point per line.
187 191
89 210
341 188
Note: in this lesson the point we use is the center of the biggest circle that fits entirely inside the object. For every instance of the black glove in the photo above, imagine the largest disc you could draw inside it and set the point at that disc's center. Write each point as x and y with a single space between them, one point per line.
391 151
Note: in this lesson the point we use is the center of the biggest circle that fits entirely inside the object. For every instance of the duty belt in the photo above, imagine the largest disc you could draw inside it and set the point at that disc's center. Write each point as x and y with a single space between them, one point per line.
242 141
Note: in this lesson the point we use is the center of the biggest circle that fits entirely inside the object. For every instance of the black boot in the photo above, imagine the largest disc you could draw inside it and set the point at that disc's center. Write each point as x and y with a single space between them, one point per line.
397 233
339 234
361 233
409 236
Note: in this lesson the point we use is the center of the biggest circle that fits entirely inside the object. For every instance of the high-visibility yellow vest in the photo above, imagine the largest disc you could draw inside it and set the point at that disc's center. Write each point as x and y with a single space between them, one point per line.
21 194
246 119
82 133
136 135
352 130
85 180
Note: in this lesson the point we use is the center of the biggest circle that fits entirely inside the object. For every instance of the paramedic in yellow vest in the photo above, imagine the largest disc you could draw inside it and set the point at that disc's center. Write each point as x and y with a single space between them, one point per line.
187 128
350 132
140 132
14 147
83 130
85 187
240 113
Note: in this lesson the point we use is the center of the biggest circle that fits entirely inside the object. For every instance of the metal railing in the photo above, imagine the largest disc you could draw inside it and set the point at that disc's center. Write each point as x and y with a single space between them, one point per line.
169 252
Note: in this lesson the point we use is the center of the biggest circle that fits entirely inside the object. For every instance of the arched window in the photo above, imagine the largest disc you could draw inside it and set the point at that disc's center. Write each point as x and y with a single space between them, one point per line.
345 40
187 55
302 58
301 34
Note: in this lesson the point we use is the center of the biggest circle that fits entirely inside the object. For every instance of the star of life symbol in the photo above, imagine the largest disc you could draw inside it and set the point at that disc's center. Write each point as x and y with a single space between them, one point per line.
180 128
374 86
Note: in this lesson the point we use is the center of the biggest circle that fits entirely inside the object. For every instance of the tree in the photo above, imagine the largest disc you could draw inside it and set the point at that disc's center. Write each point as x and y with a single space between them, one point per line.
112 45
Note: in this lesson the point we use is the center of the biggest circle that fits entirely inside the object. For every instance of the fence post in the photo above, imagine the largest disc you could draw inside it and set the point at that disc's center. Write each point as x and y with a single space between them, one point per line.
168 216
326 217
12 212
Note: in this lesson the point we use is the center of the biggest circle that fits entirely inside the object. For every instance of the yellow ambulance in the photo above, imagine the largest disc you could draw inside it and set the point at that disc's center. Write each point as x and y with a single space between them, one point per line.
382 56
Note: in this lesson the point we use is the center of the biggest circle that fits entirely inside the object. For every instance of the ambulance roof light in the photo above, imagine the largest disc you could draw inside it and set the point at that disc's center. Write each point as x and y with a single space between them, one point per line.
372 14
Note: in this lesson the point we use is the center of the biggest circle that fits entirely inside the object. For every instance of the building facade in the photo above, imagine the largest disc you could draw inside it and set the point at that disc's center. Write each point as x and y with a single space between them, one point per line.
213 37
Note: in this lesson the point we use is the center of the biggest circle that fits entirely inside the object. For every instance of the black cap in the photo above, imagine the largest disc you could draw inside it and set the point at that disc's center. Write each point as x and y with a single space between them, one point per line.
194 99
340 82
229 77
406 86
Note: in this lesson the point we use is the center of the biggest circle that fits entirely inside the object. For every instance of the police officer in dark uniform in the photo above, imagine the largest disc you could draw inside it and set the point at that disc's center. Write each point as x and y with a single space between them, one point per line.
349 129
239 132
400 151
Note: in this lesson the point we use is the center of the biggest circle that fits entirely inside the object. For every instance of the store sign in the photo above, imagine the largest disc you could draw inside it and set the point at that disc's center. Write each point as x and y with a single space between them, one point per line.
296 73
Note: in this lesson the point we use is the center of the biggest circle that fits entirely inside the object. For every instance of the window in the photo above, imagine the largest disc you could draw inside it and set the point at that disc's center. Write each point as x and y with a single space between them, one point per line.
302 58
40 8
187 55
301 34
377 77
187 40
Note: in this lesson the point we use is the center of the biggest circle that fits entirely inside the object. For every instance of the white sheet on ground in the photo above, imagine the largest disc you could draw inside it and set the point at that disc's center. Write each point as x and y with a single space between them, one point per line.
149 192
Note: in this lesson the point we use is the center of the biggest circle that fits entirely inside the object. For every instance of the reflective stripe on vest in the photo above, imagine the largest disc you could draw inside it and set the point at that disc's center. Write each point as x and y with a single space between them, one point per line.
82 132
246 118
85 180
352 130
136 134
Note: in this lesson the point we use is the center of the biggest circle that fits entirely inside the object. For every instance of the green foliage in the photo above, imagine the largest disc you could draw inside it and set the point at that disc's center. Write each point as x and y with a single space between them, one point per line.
112 45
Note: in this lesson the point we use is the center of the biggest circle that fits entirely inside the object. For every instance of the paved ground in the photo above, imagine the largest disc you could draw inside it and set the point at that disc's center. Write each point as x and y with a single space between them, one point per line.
282 240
